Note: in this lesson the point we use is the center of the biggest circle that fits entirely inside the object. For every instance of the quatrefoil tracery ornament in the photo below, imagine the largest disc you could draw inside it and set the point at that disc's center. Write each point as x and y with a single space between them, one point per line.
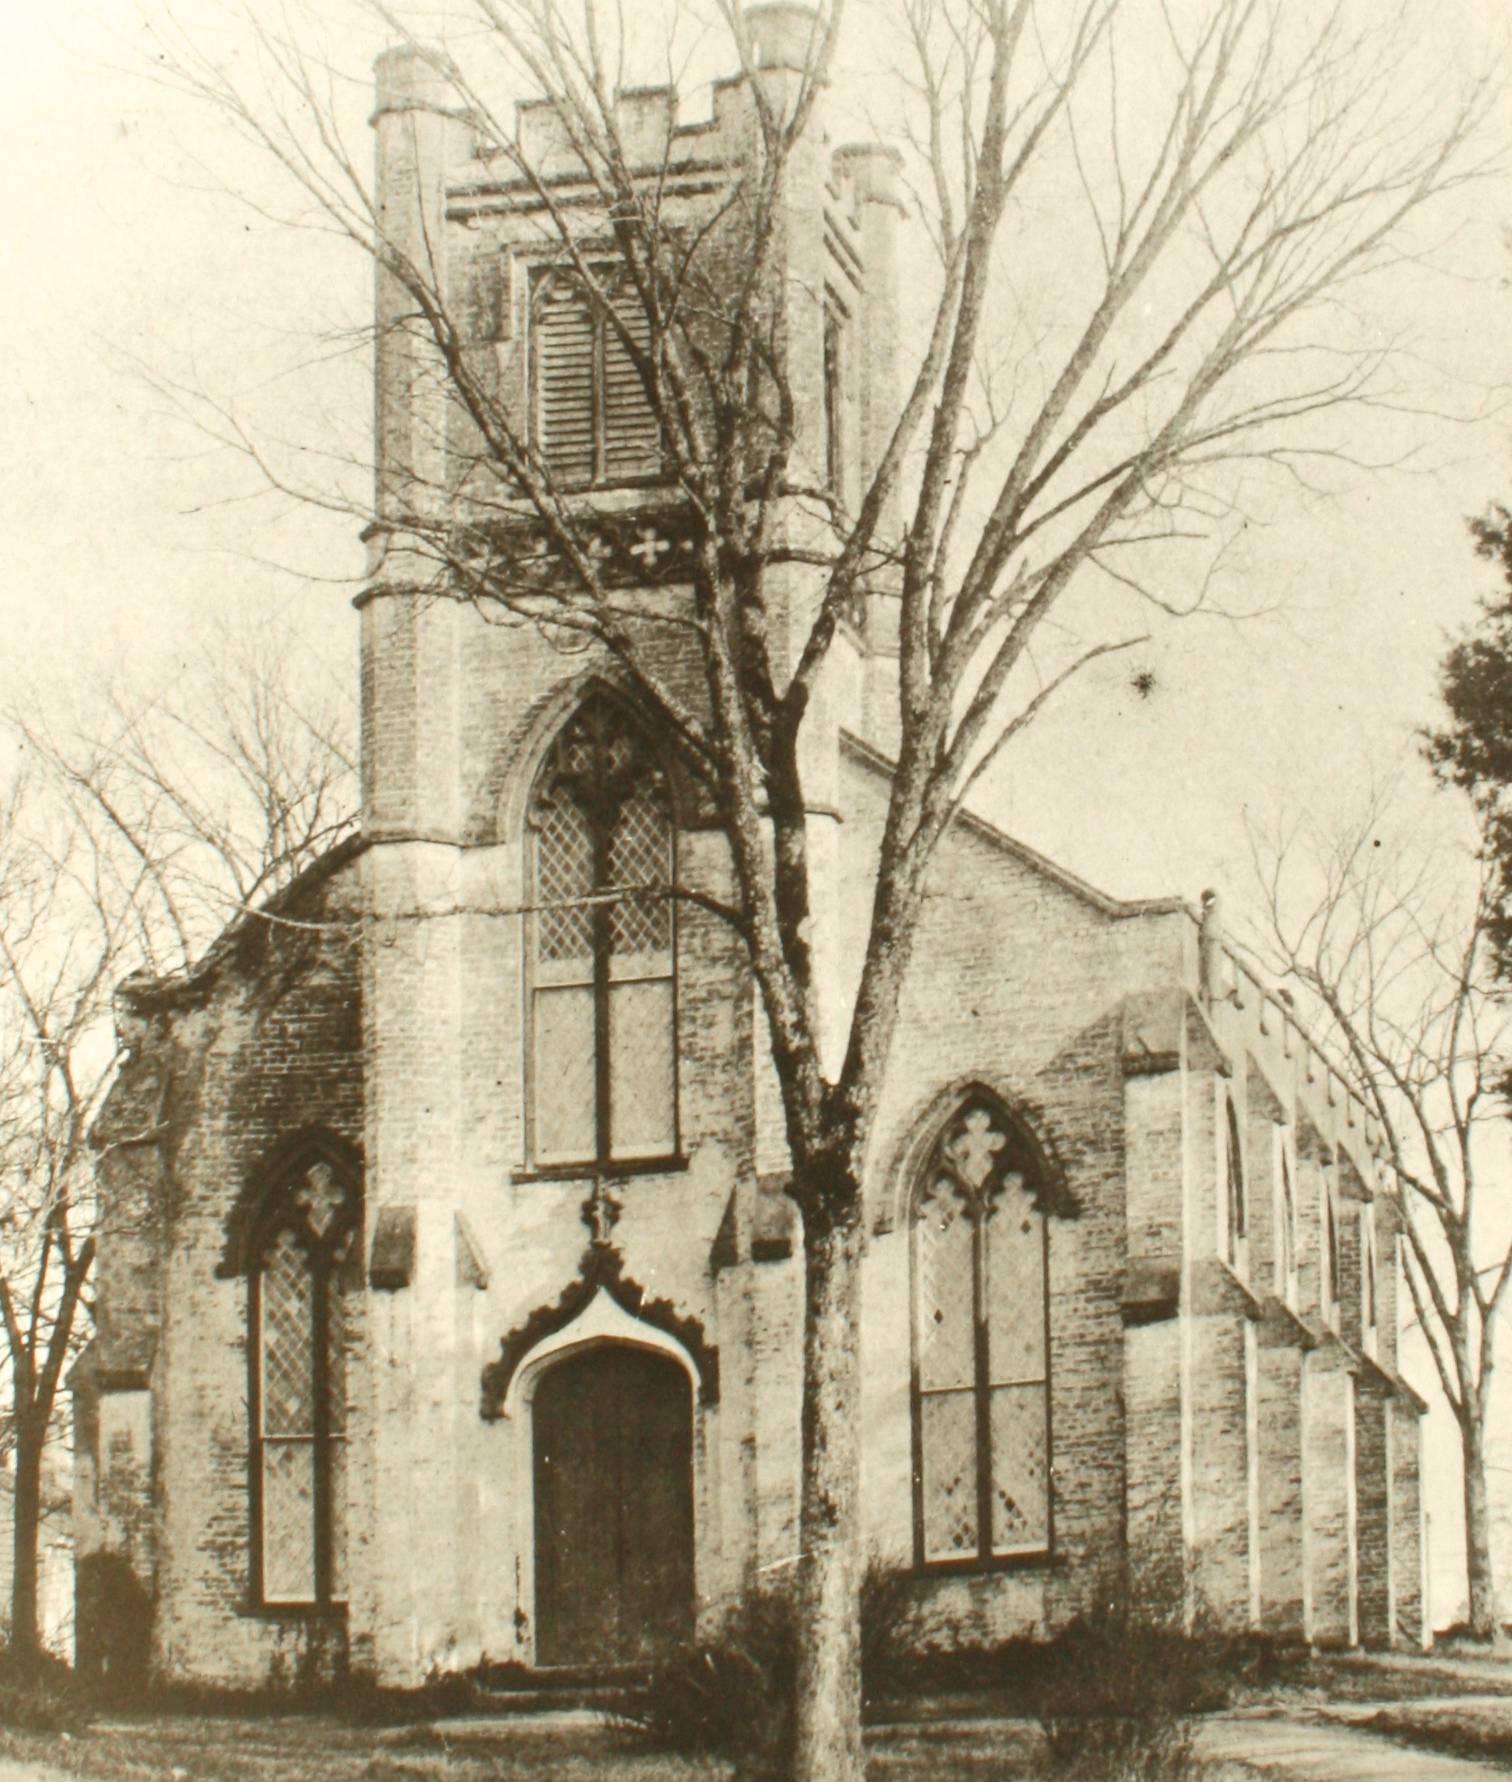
971 1170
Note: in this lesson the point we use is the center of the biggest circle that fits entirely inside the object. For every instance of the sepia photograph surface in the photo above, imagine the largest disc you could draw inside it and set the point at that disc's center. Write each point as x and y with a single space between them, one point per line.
756 890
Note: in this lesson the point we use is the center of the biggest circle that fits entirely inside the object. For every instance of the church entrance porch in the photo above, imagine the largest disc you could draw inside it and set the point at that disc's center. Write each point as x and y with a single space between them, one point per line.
613 1460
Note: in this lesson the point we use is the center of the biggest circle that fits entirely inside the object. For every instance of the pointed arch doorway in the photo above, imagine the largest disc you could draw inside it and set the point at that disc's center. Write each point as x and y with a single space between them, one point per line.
613 1464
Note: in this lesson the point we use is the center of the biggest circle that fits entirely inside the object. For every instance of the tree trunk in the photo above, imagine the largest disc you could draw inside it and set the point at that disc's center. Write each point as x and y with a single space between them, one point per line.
829 1535
27 1512
828 1705
1479 1576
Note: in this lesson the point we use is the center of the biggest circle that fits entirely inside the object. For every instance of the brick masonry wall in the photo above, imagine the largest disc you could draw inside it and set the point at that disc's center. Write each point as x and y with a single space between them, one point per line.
1409 1559
1374 1489
266 1041
1220 1531
1328 1401
1021 983
1157 1456
1285 1584
1017 984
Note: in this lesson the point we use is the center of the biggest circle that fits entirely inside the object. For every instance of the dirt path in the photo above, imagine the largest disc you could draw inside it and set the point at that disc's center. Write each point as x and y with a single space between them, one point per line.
1325 1751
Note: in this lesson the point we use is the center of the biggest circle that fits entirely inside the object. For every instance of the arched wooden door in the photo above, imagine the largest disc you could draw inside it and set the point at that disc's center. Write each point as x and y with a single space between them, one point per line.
613 1507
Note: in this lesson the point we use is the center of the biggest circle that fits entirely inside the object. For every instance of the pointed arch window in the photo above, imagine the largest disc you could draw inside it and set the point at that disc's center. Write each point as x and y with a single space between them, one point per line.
603 990
593 423
833 345
1234 1233
1369 1281
1286 1222
302 1278
1332 1257
981 1350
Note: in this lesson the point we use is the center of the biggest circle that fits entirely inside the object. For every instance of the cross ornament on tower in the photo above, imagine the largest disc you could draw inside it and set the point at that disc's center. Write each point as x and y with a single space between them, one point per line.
651 546
601 1213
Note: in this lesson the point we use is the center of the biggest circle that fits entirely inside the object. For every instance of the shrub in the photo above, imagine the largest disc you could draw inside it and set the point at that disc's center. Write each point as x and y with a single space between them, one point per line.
1115 1703
890 1628
1121 1686
39 1694
734 1696
114 1633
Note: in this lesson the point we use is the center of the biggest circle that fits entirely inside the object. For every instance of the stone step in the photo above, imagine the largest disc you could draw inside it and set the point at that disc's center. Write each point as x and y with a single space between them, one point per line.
552 1688
604 1698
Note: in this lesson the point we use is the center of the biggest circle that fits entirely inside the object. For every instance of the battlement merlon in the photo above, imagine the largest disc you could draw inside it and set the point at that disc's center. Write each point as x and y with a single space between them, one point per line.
477 218
415 80
1256 1020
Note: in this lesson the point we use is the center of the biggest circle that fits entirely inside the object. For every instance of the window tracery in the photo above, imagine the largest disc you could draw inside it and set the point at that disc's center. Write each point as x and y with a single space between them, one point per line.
603 967
301 1281
981 1348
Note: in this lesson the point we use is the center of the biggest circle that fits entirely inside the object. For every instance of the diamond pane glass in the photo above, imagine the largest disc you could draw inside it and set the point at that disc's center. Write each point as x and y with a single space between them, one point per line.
949 1474
288 1386
640 853
1015 1285
565 1094
641 1096
336 1365
564 870
288 1521
1019 1503
946 1296
338 1454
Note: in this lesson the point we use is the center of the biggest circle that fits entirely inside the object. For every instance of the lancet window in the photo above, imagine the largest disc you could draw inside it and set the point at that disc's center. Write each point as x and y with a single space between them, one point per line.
1332 1261
301 1282
1235 1230
603 989
835 328
1369 1281
1286 1223
981 1352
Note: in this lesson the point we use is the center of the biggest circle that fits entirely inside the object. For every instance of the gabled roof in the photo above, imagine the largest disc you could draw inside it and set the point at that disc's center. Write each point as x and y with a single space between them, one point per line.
142 990
1118 908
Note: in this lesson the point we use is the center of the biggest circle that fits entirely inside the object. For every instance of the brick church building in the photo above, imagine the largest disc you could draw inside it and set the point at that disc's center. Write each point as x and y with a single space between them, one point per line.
449 1304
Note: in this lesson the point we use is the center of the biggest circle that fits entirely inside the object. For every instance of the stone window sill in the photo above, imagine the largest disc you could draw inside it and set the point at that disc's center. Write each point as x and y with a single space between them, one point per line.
253 1611
1039 1559
672 1164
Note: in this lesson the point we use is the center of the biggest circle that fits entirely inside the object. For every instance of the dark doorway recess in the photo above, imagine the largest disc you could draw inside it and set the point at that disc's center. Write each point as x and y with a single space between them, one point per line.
613 1507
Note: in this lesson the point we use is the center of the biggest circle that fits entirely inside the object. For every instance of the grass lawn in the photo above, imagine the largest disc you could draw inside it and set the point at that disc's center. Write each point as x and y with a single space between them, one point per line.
318 1749
967 1732
1481 1730
312 1749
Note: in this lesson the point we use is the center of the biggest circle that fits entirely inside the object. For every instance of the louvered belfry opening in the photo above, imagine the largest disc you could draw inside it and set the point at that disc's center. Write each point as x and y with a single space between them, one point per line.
594 424
981 1352
603 991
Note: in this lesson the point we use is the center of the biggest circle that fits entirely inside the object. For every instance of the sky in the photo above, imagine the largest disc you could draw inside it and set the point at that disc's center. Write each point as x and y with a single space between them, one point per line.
131 280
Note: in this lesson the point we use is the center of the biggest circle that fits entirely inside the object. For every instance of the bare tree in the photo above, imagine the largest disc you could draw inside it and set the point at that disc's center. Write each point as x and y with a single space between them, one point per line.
1371 925
126 842
1224 176
61 944
206 790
